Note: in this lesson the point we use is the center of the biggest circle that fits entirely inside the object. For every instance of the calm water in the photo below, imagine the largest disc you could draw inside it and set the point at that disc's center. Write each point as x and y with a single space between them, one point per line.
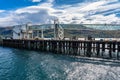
30 65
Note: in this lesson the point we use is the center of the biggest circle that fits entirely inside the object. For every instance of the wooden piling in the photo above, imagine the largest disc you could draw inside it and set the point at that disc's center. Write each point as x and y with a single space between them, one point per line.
68 47
98 48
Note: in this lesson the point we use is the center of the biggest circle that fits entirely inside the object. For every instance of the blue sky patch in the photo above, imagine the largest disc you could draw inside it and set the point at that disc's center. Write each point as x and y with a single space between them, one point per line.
14 4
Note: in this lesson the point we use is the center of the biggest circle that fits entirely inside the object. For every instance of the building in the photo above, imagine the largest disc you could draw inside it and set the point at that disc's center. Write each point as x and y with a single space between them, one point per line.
22 32
29 31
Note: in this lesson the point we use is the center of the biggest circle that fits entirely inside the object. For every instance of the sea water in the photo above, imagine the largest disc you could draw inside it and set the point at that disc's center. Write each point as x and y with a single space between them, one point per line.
18 64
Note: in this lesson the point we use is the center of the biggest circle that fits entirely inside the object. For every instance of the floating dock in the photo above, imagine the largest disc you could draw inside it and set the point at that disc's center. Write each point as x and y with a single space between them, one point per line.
88 48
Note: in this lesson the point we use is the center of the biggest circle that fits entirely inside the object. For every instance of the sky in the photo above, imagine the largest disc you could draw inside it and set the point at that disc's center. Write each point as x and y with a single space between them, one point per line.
14 12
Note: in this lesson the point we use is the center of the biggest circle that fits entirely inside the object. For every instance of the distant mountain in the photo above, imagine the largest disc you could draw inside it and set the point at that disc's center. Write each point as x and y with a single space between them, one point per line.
6 31
72 30
104 26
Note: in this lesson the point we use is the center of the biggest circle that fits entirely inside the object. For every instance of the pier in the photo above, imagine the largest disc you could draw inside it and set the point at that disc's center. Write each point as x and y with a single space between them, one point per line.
87 48
24 37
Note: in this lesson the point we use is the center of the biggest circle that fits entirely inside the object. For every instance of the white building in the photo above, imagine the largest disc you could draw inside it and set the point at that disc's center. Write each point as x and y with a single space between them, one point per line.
22 32
29 31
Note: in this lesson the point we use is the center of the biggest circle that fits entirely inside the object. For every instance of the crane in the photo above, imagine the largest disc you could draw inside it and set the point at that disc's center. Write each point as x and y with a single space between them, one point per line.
58 30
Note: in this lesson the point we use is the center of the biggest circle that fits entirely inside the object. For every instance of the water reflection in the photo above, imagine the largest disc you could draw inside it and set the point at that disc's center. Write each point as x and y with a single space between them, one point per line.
31 65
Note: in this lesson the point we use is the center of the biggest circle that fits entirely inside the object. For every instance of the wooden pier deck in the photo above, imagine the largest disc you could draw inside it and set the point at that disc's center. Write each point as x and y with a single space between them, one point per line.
104 49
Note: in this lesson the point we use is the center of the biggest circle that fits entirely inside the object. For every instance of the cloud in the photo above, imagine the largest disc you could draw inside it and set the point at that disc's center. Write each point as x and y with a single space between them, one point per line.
36 0
97 11
8 20
2 11
50 1
92 12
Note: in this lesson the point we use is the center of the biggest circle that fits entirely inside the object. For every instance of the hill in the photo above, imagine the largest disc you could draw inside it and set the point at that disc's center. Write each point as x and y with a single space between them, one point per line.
69 31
